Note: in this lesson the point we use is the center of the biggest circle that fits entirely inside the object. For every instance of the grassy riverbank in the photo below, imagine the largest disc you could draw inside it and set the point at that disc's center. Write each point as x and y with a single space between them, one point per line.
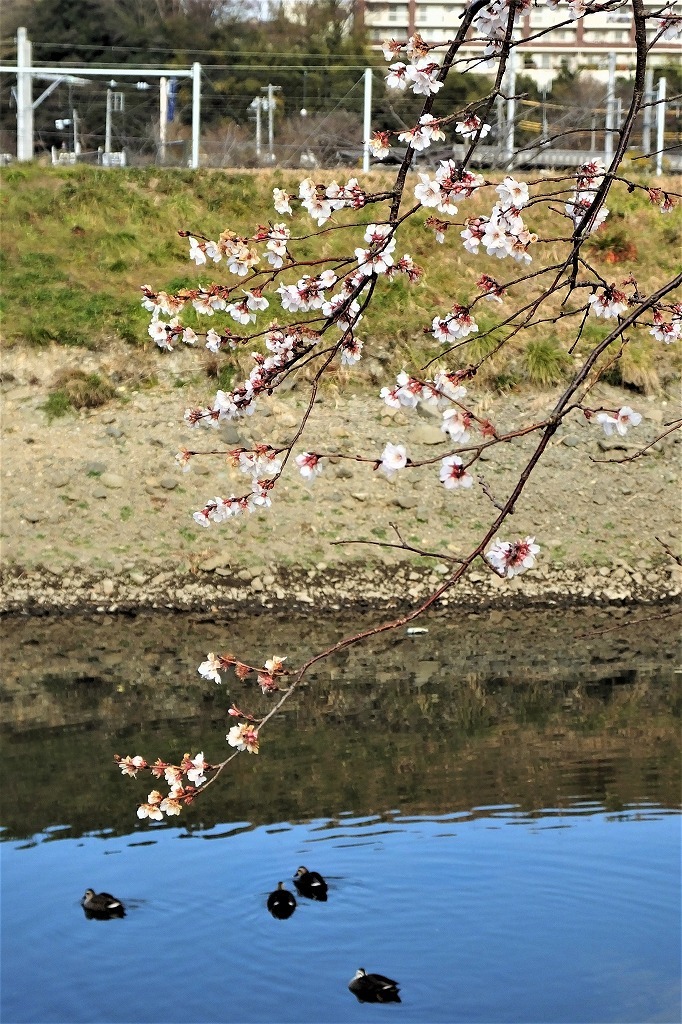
78 243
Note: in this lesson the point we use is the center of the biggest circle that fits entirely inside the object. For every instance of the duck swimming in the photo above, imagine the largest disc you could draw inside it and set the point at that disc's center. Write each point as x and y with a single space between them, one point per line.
311 884
373 988
281 903
101 905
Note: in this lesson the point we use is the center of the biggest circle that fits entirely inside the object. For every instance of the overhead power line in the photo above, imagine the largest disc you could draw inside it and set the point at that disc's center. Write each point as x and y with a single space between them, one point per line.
326 58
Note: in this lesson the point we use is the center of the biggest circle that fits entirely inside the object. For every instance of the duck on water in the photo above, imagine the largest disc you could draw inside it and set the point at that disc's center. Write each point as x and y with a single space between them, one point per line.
281 903
101 905
311 884
373 988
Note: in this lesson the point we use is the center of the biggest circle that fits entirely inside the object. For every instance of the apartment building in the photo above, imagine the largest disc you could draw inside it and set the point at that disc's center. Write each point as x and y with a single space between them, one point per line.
584 42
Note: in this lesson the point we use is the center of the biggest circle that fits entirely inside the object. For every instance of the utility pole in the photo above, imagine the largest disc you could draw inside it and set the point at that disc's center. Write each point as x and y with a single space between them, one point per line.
660 125
257 103
24 97
196 113
163 118
610 110
107 120
367 125
510 89
271 122
646 113
269 105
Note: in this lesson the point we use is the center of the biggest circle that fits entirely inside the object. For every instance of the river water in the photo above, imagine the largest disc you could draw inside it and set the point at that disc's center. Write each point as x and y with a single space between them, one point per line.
494 804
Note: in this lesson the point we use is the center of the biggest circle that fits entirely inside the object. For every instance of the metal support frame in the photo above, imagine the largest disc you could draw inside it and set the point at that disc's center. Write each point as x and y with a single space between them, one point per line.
660 125
610 110
26 72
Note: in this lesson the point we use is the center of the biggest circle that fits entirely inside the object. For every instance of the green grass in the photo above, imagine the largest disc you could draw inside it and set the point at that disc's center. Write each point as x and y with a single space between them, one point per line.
57 404
81 241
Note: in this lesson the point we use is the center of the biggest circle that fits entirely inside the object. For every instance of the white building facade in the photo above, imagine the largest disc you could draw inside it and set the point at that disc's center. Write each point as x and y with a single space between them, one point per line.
582 43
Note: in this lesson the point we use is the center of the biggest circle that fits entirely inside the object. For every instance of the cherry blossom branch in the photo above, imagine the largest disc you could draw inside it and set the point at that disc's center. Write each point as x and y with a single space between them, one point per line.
305 343
647 448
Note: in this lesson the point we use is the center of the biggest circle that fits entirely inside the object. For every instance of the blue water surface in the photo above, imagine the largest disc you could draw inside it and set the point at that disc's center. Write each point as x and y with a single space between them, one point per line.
490 916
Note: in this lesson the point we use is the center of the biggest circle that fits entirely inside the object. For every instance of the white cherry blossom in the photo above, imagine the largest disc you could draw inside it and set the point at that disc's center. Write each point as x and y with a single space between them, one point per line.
196 772
393 458
621 422
197 251
456 425
309 465
282 201
512 193
210 669
470 126
513 558
396 78
453 475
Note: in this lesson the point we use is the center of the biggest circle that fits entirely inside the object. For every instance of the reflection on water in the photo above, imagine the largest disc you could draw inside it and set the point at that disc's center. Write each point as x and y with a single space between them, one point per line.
499 831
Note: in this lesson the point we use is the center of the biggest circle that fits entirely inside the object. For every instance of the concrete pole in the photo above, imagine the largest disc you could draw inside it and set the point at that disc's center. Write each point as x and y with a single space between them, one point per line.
196 113
163 118
660 125
647 112
107 125
367 121
610 110
259 136
510 89
24 97
271 123
77 148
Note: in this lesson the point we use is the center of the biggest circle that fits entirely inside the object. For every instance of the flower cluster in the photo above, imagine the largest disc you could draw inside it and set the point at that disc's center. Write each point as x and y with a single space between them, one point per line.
308 292
664 330
492 22
285 346
608 302
377 258
450 183
180 792
321 201
504 232
272 670
438 394
421 75
458 324
589 177
426 132
237 252
471 127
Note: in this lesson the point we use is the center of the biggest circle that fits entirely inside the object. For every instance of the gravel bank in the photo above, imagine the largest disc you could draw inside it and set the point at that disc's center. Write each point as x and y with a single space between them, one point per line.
97 515
39 591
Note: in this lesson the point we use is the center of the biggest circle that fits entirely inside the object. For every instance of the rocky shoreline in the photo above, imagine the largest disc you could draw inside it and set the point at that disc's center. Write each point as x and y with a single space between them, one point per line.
216 587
